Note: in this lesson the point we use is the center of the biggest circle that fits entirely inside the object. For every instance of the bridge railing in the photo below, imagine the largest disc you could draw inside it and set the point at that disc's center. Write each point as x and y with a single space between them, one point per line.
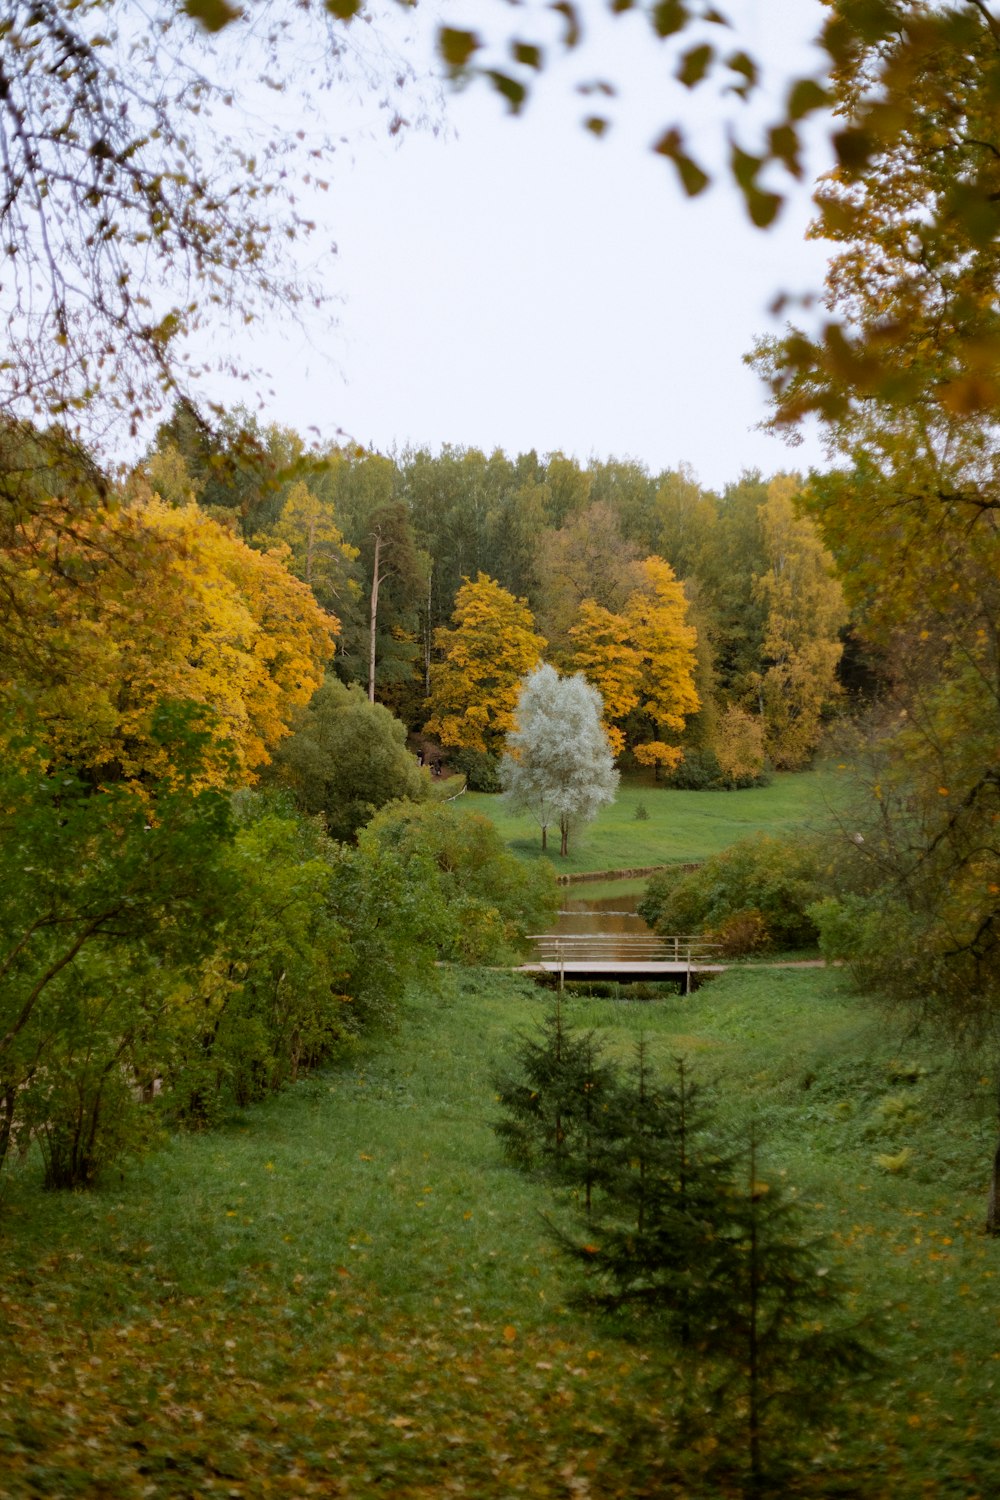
556 947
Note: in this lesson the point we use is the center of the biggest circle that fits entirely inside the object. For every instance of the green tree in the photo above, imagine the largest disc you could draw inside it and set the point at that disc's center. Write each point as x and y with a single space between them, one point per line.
757 893
652 1245
552 1093
317 552
486 899
108 904
346 758
588 558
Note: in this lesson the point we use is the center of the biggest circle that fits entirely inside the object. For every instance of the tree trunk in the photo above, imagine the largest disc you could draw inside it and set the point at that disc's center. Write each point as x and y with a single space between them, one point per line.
373 618
545 836
993 1207
9 1100
428 635
564 831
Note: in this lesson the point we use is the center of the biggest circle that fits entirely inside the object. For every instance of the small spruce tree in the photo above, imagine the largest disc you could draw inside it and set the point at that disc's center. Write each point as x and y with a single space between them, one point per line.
778 1333
651 1238
551 1099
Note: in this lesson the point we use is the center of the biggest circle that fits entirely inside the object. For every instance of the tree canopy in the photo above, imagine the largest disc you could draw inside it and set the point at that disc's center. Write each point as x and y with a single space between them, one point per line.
558 763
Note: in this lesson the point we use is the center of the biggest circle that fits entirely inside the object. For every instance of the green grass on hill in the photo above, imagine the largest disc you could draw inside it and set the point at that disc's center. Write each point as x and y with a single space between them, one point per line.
346 1292
681 827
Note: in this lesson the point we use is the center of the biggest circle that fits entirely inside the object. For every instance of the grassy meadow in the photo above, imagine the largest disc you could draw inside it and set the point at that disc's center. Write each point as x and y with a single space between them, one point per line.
680 827
347 1292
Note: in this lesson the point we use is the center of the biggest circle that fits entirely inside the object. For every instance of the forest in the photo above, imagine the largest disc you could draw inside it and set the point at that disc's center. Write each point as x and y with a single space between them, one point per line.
343 1186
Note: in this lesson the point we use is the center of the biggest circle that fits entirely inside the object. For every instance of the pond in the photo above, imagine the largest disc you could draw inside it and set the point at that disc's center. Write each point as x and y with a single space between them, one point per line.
608 906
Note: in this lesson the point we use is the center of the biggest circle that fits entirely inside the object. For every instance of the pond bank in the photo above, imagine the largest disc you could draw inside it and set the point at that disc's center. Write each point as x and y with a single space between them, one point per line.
637 873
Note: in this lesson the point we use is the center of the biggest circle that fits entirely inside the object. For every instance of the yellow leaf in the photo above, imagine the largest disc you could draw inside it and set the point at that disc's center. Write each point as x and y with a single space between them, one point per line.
509 1333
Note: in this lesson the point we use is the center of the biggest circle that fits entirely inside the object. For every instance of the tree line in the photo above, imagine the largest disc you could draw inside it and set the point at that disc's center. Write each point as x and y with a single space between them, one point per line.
712 625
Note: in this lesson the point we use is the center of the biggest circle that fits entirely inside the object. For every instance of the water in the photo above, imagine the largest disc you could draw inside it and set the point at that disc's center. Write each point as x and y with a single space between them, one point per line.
579 913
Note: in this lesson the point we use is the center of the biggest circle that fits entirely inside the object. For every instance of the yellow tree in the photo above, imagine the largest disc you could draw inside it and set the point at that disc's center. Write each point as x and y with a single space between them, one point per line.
604 651
147 604
805 611
317 551
491 645
657 618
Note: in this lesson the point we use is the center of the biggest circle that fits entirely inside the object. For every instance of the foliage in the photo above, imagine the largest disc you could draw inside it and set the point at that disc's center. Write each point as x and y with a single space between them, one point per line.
271 999
138 204
760 889
558 763
739 746
490 647
108 903
551 1091
605 653
317 552
346 758
642 658
484 899
147 602
480 769
904 387
801 646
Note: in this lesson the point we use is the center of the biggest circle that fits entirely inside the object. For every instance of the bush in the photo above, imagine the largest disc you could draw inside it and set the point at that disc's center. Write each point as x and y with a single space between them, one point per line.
480 769
485 899
756 894
742 933
700 771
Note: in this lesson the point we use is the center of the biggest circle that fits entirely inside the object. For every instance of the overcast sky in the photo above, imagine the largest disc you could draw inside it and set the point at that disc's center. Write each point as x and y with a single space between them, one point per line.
514 283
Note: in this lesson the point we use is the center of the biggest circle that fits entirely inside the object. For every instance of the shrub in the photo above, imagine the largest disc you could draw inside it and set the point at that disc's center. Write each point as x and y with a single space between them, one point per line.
761 888
701 771
744 932
480 769
485 899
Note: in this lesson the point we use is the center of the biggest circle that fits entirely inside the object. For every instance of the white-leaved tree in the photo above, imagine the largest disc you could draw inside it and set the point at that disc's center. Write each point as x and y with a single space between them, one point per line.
558 764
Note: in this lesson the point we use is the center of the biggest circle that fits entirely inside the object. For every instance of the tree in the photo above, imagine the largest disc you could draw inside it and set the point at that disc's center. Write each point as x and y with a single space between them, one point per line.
739 745
107 173
588 558
558 762
484 899
656 614
133 606
132 212
757 893
605 653
346 757
551 1099
805 613
904 384
317 552
491 646
108 904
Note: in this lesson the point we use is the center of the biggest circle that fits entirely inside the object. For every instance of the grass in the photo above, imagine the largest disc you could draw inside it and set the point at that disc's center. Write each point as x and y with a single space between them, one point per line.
346 1292
681 827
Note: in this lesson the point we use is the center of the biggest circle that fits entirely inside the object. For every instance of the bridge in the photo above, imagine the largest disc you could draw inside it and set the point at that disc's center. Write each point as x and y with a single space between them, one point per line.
626 957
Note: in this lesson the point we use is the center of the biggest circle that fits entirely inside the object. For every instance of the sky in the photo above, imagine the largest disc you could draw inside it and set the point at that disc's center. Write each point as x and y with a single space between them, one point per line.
515 283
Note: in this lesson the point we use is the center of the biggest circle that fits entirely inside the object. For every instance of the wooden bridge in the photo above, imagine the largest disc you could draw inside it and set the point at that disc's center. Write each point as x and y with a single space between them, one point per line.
626 957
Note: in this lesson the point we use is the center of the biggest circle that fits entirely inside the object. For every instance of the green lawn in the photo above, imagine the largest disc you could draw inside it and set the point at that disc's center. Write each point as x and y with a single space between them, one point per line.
346 1292
681 827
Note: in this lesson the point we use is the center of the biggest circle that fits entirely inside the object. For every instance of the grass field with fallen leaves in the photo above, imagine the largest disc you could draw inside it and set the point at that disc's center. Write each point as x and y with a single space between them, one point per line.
346 1292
